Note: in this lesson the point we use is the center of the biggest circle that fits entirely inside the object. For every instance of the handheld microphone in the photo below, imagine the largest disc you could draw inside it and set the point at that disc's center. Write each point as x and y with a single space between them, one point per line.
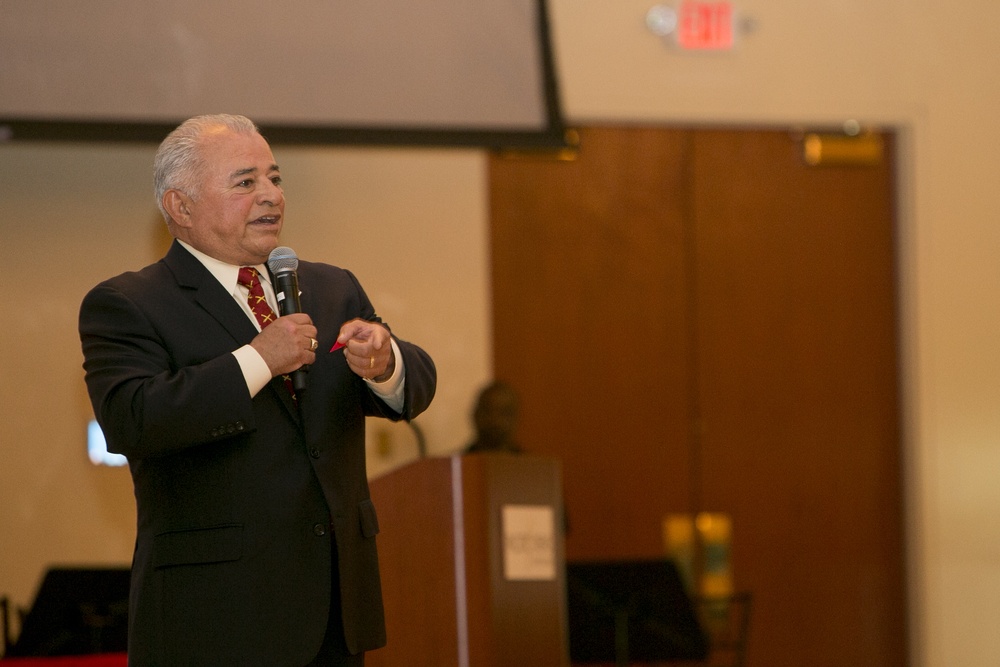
283 263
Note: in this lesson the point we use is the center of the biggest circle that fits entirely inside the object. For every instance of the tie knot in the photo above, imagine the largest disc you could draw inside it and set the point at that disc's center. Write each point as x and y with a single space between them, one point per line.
248 276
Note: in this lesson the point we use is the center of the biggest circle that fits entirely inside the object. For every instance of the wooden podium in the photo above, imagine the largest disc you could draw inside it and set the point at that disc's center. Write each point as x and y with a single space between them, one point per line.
472 563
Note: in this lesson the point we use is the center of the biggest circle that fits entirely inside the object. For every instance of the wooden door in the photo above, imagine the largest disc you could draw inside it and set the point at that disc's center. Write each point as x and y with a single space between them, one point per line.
697 320
587 285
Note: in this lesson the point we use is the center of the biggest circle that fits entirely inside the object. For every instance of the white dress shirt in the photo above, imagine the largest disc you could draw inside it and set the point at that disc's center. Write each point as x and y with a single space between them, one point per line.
255 369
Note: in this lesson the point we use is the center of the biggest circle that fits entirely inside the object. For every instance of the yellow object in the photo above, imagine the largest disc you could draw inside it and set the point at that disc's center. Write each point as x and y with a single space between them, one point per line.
826 150
715 532
701 546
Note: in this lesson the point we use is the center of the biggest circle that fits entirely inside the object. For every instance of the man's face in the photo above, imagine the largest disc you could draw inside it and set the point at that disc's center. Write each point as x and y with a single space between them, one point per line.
237 209
496 414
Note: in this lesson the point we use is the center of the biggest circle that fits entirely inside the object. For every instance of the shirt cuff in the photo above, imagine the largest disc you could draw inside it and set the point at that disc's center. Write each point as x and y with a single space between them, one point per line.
391 390
255 370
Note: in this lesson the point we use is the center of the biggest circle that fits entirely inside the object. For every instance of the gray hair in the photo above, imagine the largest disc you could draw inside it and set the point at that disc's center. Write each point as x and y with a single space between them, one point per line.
177 160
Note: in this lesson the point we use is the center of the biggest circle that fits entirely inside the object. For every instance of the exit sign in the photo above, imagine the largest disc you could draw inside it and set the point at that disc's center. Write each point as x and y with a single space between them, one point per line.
705 26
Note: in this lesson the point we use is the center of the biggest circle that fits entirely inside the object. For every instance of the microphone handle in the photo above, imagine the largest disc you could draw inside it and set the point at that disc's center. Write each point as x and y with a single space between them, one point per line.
286 289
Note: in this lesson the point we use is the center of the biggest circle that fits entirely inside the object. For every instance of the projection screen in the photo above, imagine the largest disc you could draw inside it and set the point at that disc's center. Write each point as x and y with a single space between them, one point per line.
462 72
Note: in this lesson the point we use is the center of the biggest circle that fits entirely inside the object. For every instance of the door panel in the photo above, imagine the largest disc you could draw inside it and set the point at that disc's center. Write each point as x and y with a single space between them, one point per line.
695 319
587 276
797 380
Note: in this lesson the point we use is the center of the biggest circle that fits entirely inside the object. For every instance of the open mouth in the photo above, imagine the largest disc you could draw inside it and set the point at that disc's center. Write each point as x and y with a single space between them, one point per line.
266 220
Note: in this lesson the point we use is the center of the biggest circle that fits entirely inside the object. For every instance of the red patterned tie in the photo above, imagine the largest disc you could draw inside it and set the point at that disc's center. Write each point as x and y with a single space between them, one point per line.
262 311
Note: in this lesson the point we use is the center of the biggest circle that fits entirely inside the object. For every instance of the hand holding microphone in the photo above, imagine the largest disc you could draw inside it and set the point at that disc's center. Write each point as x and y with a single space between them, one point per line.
284 264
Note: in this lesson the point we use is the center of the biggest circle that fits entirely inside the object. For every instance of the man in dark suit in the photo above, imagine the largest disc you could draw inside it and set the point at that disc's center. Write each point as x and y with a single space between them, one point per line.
256 534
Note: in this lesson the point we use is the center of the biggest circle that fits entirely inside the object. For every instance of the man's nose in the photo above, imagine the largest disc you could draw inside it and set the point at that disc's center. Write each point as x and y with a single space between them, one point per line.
271 193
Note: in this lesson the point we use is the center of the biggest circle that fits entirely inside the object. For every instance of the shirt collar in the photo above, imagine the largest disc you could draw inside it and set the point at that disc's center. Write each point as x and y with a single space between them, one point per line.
227 274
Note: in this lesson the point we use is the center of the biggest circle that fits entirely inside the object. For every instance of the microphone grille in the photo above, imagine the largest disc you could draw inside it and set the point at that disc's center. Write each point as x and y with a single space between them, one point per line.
282 259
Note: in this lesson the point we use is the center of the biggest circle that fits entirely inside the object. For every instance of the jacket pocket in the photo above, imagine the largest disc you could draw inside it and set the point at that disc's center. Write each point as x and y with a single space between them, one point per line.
215 544
369 522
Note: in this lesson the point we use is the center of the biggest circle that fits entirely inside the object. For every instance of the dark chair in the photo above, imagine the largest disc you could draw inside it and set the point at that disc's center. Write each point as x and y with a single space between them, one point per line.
631 611
77 611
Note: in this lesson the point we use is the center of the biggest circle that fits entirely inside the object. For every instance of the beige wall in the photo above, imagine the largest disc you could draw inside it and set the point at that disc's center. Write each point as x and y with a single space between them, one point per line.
412 223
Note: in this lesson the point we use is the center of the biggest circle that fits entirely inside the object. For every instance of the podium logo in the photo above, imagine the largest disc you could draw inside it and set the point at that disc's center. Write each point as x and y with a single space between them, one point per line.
529 542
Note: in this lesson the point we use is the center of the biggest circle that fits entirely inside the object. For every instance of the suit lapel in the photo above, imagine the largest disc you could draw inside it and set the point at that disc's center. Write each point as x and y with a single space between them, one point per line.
192 276
209 294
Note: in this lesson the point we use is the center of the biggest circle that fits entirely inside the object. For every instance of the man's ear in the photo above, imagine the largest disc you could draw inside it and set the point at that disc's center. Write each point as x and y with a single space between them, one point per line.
178 207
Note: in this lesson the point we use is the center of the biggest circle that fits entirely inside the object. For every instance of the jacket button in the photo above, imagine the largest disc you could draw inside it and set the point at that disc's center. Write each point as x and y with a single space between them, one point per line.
319 529
314 452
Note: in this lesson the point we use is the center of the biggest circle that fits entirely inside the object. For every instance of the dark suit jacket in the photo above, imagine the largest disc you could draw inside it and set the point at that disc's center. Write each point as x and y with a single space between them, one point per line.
236 496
